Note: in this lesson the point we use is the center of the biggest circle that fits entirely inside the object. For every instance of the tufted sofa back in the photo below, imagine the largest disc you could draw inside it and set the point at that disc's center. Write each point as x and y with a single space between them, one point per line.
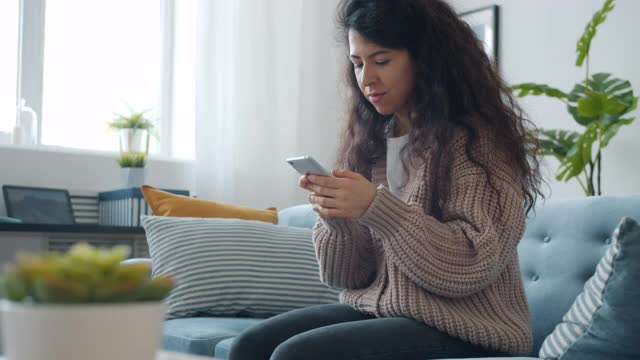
560 249
562 244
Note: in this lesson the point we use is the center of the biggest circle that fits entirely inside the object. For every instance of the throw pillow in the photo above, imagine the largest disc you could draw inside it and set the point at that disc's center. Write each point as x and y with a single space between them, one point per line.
604 322
232 267
163 203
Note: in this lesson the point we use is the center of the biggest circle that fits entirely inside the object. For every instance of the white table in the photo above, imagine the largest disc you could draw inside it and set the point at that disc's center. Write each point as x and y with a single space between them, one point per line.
167 355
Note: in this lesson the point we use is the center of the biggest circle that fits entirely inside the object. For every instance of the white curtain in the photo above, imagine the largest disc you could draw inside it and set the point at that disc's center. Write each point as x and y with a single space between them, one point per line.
267 88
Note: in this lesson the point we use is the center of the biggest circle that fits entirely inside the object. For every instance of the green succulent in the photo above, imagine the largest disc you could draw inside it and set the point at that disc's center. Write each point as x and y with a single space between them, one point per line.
83 275
135 120
600 103
132 160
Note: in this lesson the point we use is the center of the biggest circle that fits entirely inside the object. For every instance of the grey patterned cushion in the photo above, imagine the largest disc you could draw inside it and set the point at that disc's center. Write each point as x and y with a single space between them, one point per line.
230 267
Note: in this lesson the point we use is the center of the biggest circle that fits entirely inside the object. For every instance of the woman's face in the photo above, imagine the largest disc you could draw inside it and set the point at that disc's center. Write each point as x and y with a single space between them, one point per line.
385 76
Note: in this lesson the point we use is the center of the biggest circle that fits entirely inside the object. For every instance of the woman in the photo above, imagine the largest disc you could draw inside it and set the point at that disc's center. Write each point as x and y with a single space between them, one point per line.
420 224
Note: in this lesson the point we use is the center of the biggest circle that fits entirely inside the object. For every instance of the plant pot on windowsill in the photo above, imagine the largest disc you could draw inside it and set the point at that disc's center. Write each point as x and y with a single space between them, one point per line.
132 169
132 177
134 131
84 305
134 140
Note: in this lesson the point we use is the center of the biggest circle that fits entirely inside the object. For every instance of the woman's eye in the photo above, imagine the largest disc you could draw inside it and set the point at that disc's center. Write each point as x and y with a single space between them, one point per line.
357 66
382 62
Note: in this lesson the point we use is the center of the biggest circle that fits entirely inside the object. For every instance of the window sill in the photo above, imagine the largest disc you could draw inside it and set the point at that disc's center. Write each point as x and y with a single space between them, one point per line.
74 151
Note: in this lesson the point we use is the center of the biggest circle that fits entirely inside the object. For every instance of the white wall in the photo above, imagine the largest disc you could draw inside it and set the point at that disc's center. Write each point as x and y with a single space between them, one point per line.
83 171
537 44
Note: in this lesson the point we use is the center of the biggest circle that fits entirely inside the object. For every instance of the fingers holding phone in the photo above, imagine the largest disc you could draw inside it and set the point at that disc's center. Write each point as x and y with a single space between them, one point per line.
306 165
304 182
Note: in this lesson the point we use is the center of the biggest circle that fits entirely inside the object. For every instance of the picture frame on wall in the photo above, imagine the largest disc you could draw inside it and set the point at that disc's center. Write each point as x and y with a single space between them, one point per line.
485 24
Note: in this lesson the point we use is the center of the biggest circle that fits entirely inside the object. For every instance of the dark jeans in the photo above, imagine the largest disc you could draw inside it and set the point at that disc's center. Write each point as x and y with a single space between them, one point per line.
337 331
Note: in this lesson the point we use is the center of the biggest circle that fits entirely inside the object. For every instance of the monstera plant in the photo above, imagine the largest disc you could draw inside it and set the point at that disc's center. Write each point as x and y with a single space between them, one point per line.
601 103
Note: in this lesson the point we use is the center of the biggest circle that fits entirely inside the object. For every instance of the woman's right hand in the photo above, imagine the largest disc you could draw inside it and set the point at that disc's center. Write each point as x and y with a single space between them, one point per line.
304 182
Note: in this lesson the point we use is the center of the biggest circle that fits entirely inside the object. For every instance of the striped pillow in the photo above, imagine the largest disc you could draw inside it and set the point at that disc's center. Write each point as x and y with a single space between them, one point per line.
599 323
231 267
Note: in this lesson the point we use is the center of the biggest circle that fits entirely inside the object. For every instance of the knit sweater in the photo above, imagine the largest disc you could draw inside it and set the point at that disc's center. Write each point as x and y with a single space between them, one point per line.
459 274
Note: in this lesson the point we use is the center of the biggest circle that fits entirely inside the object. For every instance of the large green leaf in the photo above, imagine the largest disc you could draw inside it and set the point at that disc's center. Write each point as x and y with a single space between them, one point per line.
598 81
580 154
577 92
613 106
538 89
592 105
557 142
605 99
603 82
612 129
584 43
597 104
584 121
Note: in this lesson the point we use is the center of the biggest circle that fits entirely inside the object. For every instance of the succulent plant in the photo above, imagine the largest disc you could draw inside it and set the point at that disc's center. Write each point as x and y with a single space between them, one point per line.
83 275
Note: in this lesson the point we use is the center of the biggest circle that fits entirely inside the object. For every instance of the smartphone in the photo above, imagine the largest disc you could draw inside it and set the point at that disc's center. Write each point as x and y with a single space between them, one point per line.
307 165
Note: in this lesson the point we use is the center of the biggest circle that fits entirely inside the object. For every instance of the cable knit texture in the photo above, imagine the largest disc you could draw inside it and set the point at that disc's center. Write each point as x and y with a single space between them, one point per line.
459 275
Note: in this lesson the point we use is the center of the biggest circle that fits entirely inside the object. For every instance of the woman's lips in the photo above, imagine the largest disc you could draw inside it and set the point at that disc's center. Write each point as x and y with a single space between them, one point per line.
376 98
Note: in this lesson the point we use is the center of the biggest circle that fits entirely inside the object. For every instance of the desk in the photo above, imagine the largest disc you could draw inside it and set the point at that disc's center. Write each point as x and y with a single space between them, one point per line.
45 237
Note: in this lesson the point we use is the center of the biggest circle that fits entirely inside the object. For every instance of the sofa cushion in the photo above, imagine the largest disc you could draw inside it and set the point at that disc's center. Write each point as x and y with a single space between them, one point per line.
222 349
227 267
200 335
164 203
603 322
562 244
299 216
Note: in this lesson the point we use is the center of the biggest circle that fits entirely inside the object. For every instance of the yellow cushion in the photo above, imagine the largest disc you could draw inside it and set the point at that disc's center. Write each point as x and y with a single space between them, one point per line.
167 204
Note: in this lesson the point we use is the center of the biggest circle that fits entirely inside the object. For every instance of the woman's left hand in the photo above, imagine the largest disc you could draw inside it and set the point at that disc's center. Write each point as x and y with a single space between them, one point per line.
346 194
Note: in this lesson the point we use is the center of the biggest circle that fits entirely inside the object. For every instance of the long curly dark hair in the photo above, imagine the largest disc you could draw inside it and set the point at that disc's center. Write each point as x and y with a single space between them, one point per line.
456 86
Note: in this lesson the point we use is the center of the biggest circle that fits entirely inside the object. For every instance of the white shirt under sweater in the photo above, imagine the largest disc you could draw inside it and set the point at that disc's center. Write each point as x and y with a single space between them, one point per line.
396 176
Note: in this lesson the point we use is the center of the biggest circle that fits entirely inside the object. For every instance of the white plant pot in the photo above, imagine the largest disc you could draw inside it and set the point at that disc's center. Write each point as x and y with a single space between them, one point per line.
132 177
134 141
122 331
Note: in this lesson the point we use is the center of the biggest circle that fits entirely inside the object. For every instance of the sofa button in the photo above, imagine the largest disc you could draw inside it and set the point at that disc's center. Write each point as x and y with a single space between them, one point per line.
546 239
535 278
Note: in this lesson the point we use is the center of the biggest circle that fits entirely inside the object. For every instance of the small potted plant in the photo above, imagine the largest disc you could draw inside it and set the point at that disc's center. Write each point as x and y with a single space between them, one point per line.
86 304
134 131
132 169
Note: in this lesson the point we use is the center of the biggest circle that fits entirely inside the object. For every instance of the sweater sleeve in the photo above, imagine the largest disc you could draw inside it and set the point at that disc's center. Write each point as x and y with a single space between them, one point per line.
345 254
465 252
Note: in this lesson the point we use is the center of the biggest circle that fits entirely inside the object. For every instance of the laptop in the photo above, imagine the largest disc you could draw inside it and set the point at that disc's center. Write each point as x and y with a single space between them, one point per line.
36 205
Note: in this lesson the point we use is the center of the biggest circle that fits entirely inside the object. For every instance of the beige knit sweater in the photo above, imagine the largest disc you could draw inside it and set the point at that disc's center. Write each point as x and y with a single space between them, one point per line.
459 275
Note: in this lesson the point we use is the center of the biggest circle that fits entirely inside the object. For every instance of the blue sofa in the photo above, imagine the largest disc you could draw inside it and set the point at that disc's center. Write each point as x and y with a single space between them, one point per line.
562 244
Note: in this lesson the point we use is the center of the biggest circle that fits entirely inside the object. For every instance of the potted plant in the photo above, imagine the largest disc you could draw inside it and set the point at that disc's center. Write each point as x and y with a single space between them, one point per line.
134 131
132 169
86 304
600 103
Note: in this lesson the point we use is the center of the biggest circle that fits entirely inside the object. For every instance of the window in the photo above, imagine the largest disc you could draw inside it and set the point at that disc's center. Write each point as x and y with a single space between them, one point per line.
103 59
184 84
84 61
9 26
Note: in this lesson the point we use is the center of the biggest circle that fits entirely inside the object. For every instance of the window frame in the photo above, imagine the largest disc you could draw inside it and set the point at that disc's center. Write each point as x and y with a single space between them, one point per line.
31 68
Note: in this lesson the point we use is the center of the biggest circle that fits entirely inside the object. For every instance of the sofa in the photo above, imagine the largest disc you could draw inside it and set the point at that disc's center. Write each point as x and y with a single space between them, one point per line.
562 244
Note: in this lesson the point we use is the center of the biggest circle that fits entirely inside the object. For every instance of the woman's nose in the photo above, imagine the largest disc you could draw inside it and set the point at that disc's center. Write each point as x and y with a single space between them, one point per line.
369 75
